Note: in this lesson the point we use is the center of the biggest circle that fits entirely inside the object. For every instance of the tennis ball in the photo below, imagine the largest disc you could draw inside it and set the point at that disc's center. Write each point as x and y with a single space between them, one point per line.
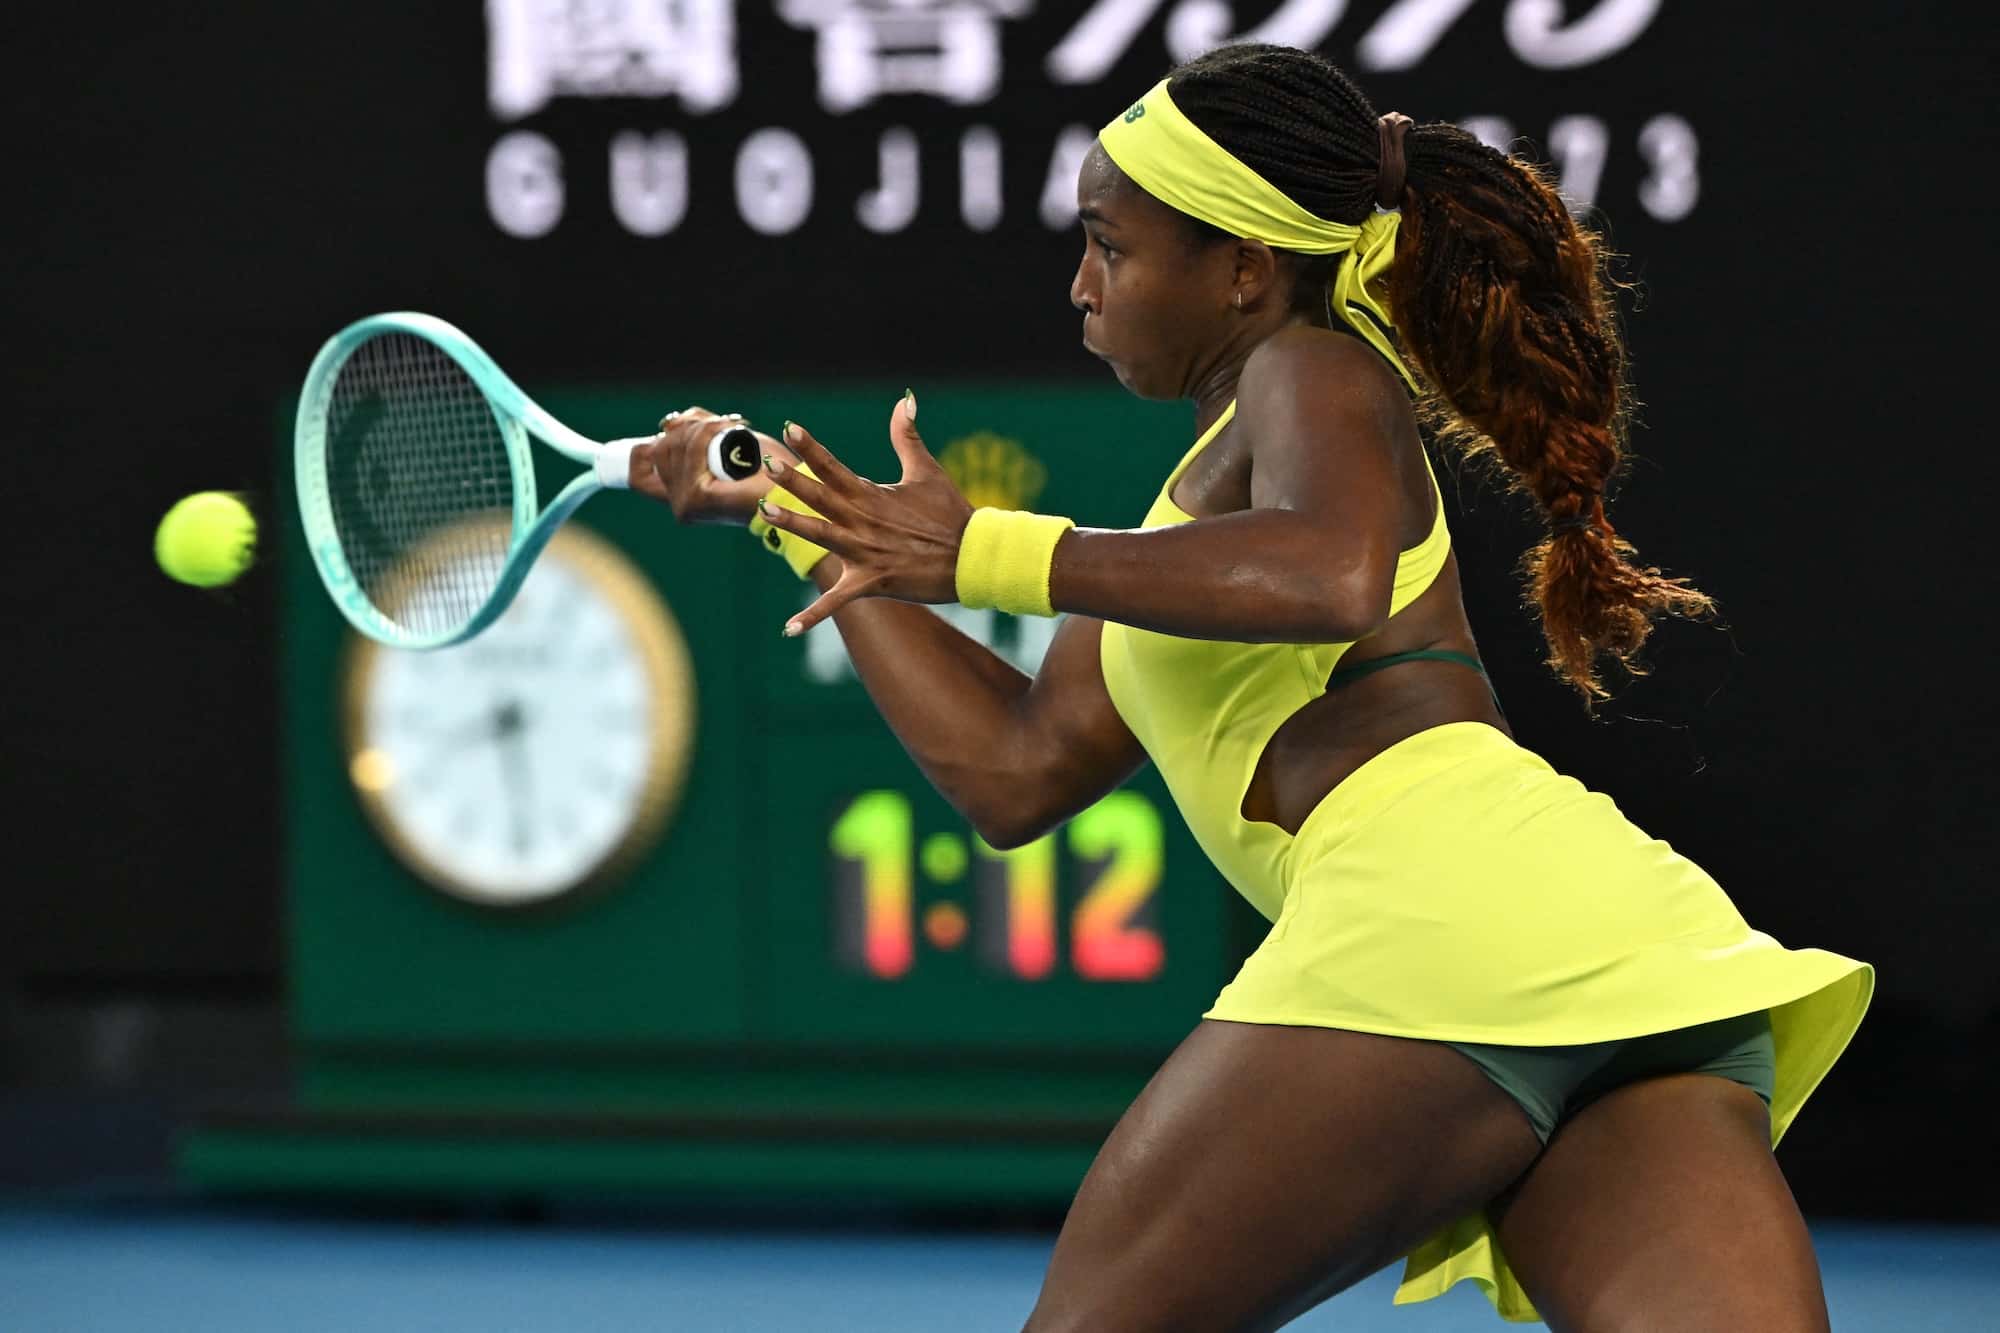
206 539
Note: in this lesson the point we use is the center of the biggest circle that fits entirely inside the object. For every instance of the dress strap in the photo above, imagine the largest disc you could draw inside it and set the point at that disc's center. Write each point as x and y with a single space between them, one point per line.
1228 415
1347 675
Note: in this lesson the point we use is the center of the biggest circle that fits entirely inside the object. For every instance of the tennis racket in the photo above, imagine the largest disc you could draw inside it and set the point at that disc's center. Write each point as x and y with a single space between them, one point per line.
417 486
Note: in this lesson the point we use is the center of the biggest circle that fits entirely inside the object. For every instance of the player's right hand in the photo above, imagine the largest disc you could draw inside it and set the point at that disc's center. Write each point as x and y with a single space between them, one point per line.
672 467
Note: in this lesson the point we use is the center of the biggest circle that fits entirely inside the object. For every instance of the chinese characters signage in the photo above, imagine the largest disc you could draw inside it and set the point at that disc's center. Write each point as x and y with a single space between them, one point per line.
977 109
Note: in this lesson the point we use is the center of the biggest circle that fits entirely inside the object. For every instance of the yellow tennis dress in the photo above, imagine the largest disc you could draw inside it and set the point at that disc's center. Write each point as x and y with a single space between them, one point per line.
1456 888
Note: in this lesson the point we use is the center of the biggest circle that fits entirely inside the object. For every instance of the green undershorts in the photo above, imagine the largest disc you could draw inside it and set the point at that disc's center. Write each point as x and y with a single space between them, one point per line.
1552 1083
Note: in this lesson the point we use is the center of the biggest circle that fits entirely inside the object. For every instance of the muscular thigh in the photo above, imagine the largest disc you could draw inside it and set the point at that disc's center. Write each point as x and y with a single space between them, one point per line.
1265 1167
1660 1206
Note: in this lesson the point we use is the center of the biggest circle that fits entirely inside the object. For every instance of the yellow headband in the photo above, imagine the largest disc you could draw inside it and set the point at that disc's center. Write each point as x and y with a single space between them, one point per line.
1169 157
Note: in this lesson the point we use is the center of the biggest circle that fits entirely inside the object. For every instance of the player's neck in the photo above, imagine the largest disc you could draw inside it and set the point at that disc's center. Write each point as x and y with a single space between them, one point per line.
1215 385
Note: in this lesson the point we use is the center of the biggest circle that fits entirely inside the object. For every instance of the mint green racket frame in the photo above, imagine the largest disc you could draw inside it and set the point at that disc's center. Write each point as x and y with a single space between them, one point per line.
518 417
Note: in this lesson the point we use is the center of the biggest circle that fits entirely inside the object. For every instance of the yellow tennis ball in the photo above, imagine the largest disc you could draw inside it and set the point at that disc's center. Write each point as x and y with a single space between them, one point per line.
207 539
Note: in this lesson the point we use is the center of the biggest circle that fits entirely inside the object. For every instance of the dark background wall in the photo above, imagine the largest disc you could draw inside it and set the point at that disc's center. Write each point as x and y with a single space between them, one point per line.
200 195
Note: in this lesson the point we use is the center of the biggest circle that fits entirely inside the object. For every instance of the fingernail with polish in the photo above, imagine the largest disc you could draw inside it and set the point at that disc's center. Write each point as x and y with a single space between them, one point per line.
910 397
793 629
770 466
763 508
791 431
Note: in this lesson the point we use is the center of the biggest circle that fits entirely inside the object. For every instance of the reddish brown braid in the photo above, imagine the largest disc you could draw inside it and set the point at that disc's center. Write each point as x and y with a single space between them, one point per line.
1503 303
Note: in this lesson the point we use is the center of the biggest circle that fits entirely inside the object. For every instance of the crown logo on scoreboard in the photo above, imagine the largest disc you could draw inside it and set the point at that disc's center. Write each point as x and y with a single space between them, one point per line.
992 471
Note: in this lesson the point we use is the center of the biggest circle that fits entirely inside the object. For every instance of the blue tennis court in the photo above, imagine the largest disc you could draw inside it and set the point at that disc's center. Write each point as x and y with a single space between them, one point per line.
164 1269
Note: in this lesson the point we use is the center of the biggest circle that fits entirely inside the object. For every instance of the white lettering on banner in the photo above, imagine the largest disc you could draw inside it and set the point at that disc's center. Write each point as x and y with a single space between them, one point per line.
649 181
1406 32
1496 132
1196 26
1536 32
979 198
951 50
1668 145
867 48
892 205
1106 31
1579 145
540 49
774 181
1059 189
524 185
774 176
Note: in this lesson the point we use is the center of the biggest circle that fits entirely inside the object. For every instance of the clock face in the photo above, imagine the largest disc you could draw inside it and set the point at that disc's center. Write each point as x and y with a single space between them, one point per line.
515 767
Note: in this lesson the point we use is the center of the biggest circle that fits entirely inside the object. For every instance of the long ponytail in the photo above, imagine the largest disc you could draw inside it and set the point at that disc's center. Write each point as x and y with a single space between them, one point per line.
1504 303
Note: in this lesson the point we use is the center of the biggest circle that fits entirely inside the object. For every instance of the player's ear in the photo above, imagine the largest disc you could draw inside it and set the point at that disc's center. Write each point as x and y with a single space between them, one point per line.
1256 273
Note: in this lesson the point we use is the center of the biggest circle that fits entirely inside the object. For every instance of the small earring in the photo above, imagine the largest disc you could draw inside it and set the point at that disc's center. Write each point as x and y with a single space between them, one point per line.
1239 300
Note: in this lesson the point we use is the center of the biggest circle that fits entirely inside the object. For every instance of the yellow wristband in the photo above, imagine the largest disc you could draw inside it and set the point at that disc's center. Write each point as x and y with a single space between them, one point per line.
1004 559
795 550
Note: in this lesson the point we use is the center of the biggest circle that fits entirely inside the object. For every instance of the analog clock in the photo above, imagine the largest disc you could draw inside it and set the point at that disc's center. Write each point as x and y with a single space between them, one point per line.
543 755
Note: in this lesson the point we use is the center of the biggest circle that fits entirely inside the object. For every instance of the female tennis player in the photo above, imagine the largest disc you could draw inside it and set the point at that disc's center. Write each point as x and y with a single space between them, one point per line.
1494 1028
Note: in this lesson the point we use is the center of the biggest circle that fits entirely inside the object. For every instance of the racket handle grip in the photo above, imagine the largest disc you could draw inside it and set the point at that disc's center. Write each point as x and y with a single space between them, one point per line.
733 454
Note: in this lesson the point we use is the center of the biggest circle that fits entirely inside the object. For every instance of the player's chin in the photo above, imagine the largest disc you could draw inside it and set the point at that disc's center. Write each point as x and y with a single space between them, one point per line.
1143 382
1118 368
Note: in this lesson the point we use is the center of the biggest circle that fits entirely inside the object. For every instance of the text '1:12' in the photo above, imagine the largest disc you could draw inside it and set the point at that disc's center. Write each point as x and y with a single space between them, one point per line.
1114 864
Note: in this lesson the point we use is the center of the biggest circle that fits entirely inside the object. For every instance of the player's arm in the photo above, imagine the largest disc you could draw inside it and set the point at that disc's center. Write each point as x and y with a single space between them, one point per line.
1313 559
1016 755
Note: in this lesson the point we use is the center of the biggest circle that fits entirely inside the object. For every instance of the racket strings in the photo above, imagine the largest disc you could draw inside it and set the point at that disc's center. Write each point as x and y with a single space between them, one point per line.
421 485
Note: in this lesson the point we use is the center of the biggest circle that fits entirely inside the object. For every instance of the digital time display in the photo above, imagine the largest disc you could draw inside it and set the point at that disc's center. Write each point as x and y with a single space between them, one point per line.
1105 866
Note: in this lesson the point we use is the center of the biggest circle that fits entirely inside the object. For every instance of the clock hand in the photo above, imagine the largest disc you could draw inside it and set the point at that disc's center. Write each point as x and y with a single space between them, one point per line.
480 729
514 772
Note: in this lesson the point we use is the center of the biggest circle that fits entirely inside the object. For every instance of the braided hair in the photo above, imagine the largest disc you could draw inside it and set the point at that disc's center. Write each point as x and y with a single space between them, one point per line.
1503 305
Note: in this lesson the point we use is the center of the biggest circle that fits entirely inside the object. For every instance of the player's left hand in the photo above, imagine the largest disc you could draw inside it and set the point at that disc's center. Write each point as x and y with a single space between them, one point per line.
897 541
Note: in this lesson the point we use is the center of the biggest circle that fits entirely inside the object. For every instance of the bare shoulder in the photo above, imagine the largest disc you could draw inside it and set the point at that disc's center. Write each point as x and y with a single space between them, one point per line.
1322 390
1321 413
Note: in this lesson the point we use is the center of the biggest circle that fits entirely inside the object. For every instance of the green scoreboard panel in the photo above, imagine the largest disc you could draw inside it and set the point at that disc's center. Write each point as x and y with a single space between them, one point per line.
813 977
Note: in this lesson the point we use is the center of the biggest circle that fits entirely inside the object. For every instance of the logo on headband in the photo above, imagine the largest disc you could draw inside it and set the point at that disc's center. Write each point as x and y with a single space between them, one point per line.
1138 110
